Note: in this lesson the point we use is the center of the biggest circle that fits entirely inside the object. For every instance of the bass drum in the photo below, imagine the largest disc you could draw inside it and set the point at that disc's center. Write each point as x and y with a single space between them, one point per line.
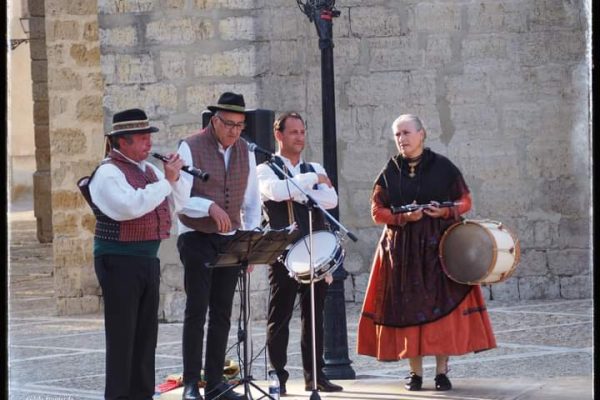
477 252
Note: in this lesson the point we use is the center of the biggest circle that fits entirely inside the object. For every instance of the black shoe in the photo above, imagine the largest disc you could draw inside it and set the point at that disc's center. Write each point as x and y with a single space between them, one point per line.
282 389
222 392
323 385
191 392
442 382
415 383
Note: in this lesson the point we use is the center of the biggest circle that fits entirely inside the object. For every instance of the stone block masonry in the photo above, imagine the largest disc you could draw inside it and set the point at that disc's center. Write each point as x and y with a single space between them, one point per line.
76 132
502 87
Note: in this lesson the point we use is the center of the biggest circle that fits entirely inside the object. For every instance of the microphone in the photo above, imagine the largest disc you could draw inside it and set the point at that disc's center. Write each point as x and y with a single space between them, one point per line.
198 173
257 149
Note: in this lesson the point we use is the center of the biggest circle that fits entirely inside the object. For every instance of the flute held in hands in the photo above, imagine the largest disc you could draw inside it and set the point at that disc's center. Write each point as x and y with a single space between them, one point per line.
413 207
198 173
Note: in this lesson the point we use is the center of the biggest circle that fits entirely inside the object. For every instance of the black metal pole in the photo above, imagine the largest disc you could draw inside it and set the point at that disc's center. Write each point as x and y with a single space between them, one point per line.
337 362
324 27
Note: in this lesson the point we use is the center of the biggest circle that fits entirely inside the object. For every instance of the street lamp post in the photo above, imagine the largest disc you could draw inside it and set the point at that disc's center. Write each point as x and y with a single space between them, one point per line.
337 363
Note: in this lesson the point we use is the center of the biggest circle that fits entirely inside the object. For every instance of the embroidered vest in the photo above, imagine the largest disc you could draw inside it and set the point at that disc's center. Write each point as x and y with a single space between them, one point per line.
154 225
226 187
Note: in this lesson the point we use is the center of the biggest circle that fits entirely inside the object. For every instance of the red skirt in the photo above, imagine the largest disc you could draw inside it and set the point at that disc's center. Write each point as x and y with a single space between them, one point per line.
466 329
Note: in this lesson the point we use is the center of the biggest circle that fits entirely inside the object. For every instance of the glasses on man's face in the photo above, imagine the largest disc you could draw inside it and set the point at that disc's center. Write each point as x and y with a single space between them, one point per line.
232 125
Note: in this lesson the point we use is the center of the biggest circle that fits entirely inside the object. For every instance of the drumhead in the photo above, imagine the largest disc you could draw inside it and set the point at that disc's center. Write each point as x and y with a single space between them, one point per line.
298 258
467 251
322 270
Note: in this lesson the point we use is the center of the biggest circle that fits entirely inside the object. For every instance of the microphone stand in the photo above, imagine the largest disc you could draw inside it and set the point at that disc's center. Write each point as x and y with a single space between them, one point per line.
311 204
314 394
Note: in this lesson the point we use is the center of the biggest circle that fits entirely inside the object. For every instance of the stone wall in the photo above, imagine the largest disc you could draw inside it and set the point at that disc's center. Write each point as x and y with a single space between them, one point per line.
75 87
42 182
502 87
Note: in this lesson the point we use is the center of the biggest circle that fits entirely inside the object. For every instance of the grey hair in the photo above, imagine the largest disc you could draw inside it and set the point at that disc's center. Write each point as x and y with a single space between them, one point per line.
114 140
408 117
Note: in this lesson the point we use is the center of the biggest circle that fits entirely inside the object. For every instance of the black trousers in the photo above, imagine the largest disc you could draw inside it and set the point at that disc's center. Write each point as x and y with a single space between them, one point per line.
209 289
283 295
130 287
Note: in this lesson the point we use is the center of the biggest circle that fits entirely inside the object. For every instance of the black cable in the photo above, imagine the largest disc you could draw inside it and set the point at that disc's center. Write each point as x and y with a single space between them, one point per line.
286 320
241 333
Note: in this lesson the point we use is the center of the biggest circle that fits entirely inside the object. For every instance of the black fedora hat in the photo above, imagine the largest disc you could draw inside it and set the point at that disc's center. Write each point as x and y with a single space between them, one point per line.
231 102
132 120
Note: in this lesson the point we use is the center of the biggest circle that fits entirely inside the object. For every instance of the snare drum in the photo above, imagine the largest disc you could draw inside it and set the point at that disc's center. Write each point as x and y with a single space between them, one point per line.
479 252
328 255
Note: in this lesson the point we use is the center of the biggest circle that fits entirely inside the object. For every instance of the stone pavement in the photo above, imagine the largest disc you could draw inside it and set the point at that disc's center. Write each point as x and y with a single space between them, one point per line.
545 348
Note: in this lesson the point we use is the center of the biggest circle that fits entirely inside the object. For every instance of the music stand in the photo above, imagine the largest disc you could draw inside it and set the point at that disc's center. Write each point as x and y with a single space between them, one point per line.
245 248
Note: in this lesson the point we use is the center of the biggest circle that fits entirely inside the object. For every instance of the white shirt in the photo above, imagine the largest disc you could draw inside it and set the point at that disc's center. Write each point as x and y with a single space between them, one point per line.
197 207
273 188
116 198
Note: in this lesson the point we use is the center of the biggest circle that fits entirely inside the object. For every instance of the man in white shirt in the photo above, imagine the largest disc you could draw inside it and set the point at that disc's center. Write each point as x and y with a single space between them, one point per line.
229 201
132 201
284 204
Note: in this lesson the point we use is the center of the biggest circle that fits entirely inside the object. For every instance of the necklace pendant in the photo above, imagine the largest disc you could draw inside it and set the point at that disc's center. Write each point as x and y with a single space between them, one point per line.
411 171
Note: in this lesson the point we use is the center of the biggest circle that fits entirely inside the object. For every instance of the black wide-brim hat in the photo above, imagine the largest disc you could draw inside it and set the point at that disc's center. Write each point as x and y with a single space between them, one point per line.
130 121
231 102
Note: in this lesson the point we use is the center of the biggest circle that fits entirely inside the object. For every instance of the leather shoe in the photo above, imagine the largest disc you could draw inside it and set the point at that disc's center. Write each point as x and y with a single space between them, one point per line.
222 392
442 382
415 383
282 389
323 385
191 392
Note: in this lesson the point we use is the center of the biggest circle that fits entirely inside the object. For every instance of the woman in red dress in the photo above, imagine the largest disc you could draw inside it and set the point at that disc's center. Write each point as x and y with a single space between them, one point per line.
411 308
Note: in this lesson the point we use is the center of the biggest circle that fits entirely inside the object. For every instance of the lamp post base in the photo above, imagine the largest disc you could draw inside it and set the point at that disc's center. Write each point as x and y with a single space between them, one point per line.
335 354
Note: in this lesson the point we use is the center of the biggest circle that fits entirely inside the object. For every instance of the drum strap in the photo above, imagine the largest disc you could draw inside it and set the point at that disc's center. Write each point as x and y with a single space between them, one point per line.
84 183
455 214
304 167
290 205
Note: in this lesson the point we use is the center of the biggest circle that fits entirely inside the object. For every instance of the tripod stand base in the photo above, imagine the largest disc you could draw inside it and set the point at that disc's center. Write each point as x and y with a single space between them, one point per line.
250 388
315 395
247 382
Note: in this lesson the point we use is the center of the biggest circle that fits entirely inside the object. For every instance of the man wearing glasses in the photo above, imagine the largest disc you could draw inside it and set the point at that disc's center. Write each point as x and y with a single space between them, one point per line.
229 201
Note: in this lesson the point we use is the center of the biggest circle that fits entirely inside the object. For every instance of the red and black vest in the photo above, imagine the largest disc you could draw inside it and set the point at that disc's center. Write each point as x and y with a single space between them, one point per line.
154 225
